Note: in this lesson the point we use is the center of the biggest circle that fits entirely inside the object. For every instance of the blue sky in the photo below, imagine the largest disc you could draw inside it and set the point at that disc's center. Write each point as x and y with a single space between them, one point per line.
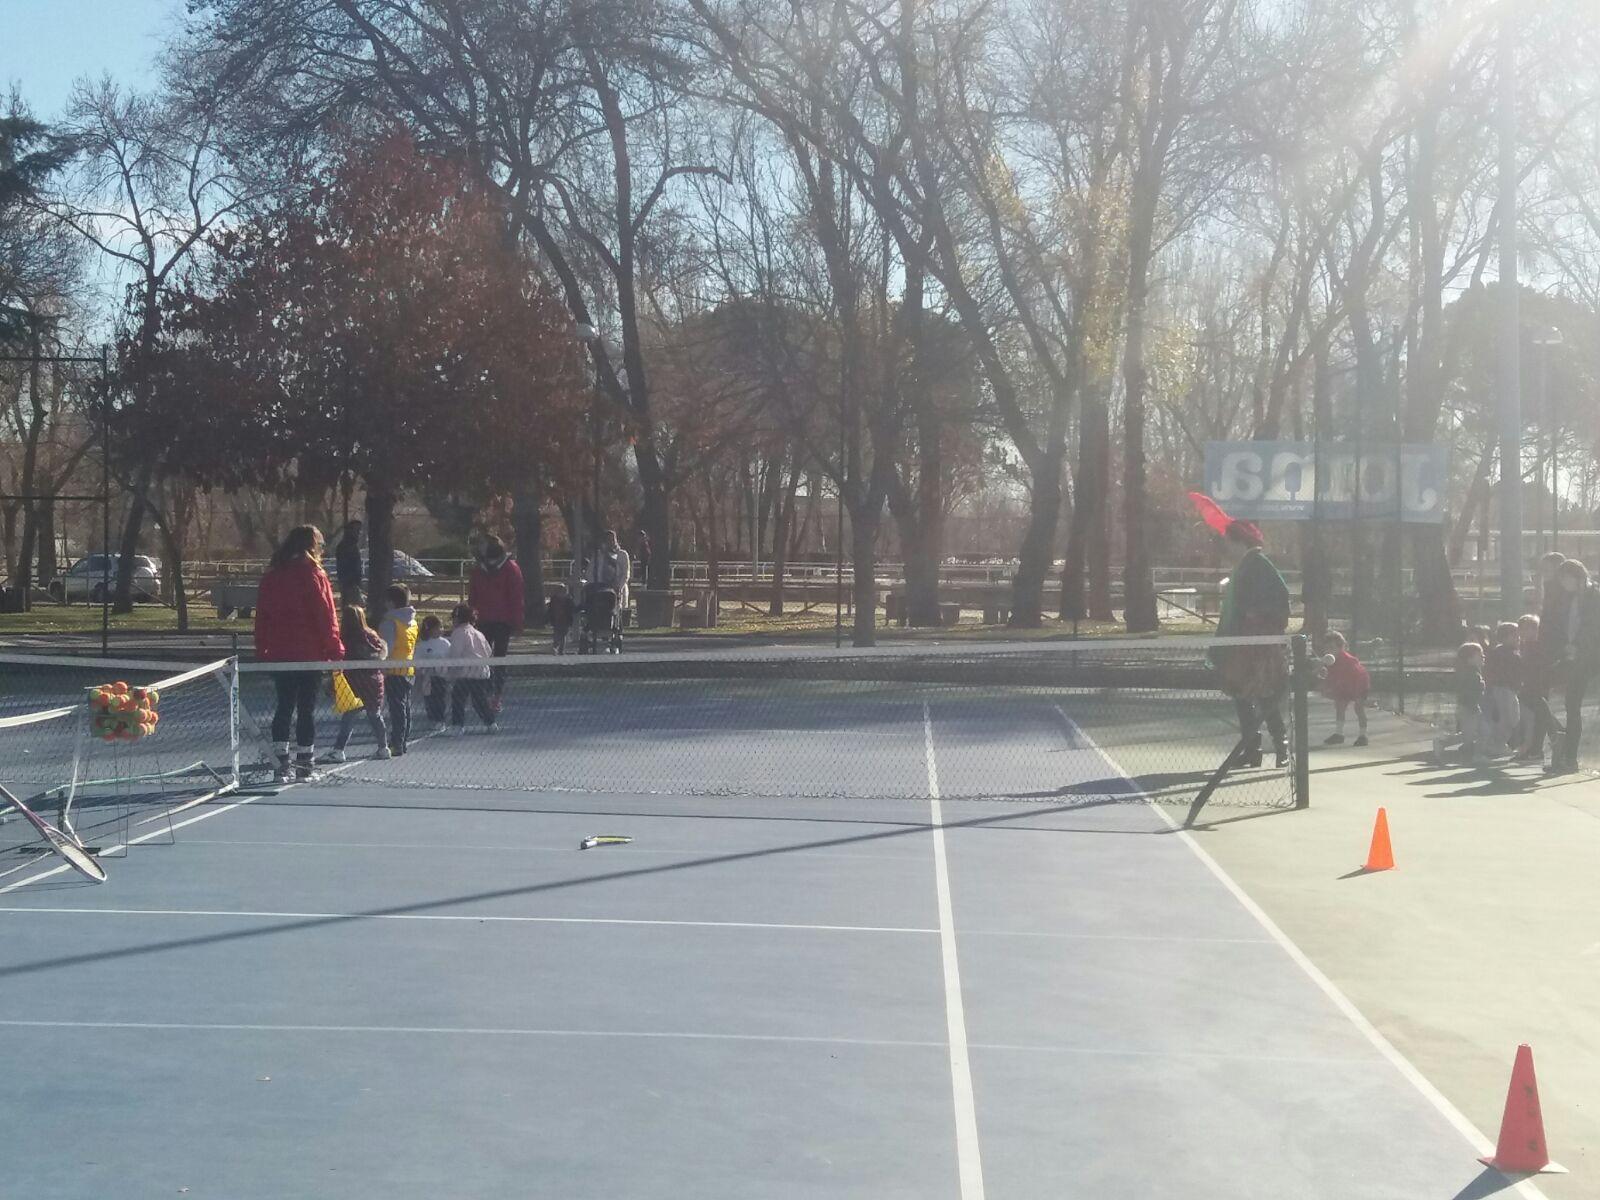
46 44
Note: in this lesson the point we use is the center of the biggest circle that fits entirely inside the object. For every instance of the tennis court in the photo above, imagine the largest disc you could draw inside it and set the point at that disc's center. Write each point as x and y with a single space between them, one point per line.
878 937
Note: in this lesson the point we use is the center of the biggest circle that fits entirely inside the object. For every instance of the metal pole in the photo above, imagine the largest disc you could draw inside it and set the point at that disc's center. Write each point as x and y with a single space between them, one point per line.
1508 383
1300 678
1399 526
105 505
838 541
1543 354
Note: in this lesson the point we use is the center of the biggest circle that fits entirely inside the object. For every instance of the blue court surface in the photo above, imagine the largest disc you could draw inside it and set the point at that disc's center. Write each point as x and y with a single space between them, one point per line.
373 992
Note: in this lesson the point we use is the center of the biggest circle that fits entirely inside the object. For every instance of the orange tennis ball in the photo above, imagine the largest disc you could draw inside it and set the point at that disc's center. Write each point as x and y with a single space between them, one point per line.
120 687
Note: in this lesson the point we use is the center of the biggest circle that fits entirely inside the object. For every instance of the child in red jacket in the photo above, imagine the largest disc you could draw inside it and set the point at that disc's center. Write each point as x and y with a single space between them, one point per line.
1346 683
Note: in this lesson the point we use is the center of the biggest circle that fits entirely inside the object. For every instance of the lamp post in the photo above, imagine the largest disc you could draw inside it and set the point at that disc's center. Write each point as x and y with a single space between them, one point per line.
1508 381
1543 343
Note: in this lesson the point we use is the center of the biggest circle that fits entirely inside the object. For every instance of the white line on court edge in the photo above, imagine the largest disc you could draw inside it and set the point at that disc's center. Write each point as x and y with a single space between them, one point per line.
968 1158
464 918
662 1034
143 837
1441 1104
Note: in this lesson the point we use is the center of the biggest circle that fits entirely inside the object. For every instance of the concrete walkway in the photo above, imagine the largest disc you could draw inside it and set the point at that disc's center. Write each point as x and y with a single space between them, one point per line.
1485 935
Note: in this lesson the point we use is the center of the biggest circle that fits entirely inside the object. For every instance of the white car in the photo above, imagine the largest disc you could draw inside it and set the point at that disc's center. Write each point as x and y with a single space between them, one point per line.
84 579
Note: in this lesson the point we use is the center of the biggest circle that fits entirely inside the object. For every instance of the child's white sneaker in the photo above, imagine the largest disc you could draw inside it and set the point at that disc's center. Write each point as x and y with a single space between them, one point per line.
333 756
384 752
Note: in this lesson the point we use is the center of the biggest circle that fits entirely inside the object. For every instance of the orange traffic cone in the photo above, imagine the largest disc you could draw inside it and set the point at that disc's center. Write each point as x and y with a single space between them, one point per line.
1381 856
1521 1149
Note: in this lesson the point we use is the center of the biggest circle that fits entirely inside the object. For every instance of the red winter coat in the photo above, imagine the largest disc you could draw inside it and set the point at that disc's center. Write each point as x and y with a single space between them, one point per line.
496 592
1346 678
295 617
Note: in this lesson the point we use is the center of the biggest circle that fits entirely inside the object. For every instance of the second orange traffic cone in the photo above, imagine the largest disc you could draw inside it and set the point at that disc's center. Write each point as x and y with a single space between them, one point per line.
1380 857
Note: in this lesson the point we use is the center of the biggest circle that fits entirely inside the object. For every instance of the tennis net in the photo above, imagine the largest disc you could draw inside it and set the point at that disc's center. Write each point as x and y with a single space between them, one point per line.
1074 722
92 759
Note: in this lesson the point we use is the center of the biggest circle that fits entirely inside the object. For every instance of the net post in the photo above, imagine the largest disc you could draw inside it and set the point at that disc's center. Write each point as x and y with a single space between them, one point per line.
231 671
1300 683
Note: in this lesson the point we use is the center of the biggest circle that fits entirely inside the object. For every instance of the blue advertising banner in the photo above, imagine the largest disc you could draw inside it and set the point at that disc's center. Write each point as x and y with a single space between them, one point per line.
1297 481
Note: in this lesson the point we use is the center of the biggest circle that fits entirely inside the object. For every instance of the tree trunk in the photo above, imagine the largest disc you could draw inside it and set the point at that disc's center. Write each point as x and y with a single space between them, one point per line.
655 515
132 526
380 547
1086 574
864 565
1437 598
48 566
527 523
30 541
1037 554
780 539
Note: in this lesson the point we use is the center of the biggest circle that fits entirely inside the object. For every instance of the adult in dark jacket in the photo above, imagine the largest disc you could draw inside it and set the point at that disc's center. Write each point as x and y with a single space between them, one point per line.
296 622
495 589
347 563
1255 601
1571 645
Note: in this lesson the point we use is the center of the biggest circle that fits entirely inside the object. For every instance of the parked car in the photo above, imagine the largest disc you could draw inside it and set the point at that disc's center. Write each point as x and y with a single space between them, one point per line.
87 578
239 596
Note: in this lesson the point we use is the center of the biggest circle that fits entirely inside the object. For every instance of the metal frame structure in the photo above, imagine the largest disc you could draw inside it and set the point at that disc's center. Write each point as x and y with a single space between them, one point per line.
104 498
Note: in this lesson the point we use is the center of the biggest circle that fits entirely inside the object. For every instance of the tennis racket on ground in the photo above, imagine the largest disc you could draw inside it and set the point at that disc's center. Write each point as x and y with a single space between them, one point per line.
68 848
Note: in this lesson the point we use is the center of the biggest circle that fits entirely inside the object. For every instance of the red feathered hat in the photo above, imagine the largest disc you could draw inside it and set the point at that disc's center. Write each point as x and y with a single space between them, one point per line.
1224 525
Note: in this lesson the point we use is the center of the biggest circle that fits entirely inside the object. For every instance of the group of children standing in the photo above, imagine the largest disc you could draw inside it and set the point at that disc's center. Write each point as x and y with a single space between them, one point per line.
1502 694
383 697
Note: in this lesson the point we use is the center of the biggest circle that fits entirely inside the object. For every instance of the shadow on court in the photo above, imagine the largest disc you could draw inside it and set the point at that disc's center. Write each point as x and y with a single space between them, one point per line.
429 906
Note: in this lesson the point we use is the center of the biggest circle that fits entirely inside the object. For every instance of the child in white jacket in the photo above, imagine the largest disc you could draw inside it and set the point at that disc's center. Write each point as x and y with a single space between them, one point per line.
472 681
432 644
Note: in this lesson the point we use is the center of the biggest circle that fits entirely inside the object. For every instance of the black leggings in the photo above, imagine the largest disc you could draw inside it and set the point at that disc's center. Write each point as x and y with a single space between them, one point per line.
499 635
297 700
1574 692
1254 713
476 690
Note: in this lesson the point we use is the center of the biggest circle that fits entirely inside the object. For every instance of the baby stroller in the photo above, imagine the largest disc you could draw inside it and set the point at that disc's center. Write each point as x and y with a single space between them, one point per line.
599 623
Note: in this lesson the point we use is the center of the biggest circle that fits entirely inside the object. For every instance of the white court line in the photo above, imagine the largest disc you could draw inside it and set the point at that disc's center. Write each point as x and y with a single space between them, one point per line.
664 1035
566 849
1441 1104
143 837
468 1031
463 918
969 1158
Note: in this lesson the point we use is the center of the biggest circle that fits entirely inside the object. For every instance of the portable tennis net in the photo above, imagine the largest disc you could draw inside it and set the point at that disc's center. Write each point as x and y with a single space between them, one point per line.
1074 722
90 769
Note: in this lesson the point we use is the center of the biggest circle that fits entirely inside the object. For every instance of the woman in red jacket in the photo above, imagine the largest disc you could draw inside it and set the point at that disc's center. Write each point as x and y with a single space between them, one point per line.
495 589
296 622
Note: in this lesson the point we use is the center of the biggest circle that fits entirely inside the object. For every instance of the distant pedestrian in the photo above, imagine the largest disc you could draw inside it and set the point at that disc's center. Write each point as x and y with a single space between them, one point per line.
495 590
398 629
1344 681
1572 641
470 682
1538 722
347 563
644 558
562 611
611 568
296 622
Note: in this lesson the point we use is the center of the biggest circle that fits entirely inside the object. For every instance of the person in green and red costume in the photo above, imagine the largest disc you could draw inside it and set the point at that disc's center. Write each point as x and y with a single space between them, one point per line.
1255 600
